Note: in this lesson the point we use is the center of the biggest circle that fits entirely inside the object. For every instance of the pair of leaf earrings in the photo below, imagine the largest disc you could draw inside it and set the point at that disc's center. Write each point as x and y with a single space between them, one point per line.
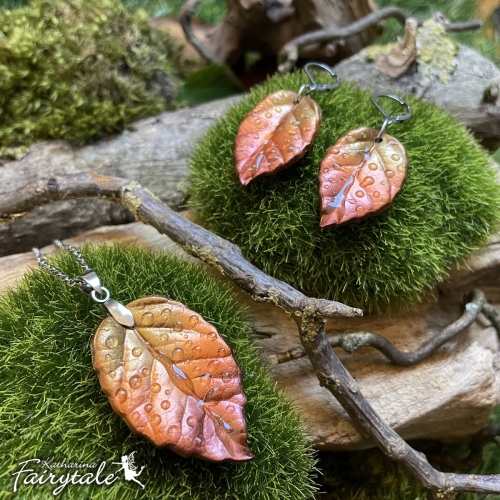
360 174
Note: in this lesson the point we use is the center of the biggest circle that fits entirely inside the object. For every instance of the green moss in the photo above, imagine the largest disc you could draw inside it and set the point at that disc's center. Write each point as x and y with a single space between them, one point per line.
52 405
447 208
367 475
78 69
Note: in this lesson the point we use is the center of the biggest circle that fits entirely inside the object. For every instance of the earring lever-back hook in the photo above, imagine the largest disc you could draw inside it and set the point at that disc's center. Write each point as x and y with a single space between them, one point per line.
314 85
389 119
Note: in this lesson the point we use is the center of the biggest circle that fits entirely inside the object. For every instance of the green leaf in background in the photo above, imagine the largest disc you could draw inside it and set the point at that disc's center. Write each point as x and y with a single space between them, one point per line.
211 82
209 11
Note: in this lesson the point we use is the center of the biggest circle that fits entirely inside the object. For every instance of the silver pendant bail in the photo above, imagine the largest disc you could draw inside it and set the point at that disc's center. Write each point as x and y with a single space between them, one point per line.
93 281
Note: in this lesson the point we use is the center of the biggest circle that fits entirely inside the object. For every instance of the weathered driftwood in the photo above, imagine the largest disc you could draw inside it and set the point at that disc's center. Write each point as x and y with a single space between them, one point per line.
447 397
154 152
471 95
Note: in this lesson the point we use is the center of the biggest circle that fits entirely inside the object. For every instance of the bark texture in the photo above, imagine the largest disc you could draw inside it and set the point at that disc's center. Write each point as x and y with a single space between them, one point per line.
471 95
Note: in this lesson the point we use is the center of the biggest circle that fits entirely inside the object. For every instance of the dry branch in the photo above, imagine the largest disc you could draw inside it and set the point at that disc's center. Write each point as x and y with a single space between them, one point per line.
289 54
350 342
309 314
464 387
185 18
196 240
264 27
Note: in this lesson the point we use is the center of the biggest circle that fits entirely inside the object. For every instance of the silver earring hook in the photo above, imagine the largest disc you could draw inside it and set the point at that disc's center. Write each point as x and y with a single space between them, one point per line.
314 85
389 119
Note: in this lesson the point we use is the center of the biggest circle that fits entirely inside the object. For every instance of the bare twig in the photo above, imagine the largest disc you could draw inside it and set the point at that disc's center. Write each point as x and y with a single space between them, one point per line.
475 24
196 240
289 54
309 314
350 342
185 17
493 314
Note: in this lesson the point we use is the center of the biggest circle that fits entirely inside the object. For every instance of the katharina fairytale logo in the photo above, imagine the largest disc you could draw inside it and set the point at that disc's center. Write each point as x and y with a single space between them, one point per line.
63 474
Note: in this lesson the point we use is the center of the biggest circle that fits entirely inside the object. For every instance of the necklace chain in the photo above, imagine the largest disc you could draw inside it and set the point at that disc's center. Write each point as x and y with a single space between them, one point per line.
42 262
90 284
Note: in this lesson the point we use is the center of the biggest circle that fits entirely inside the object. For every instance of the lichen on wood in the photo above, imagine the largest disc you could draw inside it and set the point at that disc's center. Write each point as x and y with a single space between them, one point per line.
428 46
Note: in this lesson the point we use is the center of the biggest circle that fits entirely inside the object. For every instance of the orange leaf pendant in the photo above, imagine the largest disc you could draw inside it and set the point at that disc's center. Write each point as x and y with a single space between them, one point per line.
174 380
360 177
275 134
166 371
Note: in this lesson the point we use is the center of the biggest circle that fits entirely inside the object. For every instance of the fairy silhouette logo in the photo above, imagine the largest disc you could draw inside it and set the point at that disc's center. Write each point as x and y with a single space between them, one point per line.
130 469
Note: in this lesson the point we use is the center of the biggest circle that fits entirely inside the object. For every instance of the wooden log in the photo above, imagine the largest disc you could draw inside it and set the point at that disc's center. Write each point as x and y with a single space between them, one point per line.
447 397
154 153
471 94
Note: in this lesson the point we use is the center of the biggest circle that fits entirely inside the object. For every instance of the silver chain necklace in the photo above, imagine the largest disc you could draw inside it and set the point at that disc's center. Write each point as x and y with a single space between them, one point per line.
89 283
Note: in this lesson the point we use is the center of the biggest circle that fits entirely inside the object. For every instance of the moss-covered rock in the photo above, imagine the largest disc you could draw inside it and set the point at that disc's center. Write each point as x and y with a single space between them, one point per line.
52 404
78 69
448 207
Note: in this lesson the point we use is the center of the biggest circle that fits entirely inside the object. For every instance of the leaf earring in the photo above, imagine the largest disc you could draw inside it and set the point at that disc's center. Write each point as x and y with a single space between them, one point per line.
363 171
166 371
280 129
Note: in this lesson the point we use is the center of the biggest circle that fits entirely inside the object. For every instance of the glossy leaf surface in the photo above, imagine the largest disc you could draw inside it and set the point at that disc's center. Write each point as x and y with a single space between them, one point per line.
173 380
275 134
360 177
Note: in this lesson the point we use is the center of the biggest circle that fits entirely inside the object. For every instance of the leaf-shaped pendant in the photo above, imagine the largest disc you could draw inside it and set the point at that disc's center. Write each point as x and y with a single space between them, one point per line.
174 380
360 176
275 134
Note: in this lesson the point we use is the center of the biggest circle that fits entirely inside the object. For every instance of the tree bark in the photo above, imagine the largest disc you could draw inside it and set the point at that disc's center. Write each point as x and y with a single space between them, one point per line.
472 94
